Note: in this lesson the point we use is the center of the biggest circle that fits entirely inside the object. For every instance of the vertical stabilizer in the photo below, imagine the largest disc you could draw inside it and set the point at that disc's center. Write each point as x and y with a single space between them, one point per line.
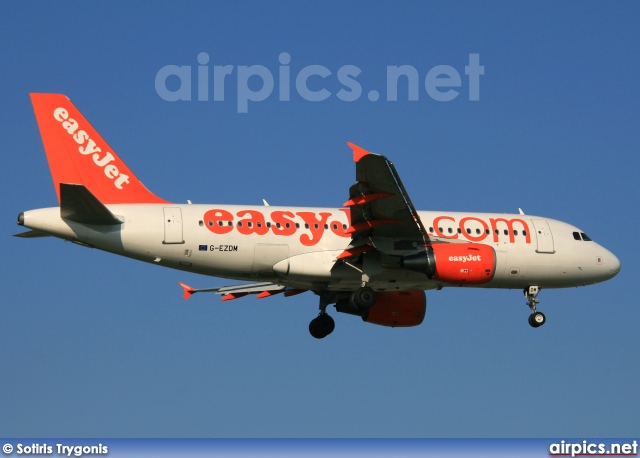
77 154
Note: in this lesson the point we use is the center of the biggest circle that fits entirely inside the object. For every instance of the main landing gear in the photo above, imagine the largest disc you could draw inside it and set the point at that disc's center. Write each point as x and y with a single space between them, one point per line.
323 325
536 319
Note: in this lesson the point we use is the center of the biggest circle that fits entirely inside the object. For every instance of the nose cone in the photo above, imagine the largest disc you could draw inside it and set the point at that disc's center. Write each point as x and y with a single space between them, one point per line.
614 265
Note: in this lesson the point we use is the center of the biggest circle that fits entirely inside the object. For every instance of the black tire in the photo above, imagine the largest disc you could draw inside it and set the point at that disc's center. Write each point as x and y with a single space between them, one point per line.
327 324
537 319
363 298
321 326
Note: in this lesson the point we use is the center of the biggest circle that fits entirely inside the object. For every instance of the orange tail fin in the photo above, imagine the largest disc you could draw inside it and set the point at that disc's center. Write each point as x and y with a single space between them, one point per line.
77 154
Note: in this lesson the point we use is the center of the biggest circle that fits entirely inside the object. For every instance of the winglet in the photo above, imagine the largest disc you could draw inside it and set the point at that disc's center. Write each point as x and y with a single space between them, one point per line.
188 290
358 153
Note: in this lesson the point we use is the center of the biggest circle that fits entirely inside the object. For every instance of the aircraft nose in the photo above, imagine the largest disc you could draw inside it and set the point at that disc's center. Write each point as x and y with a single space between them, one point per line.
614 264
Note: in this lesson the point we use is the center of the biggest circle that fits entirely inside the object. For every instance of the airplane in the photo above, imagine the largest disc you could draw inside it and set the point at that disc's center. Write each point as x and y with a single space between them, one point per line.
374 257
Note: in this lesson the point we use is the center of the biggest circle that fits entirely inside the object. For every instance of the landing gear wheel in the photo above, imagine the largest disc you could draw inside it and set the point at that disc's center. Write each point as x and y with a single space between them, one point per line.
537 319
363 298
322 326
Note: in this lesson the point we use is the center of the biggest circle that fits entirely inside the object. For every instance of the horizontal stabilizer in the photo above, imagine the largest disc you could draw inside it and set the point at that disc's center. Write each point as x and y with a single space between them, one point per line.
31 234
79 205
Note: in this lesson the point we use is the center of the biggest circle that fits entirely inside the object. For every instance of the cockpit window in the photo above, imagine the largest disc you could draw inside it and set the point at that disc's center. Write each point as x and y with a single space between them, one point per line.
582 236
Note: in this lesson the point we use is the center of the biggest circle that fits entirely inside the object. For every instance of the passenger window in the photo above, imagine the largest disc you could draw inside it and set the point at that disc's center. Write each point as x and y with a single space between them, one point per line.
335 226
450 230
201 223
585 237
459 231
487 231
576 236
315 225
268 223
344 227
515 232
468 231
287 225
220 223
431 229
326 226
306 225
506 232
297 225
524 233
440 229
239 223
478 231
230 223
210 223
278 225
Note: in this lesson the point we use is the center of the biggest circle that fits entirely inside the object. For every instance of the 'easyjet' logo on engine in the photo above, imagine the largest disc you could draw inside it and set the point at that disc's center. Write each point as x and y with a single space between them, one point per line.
88 147
465 258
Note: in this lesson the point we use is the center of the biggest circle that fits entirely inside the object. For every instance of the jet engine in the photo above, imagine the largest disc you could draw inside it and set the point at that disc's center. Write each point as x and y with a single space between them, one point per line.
458 264
394 309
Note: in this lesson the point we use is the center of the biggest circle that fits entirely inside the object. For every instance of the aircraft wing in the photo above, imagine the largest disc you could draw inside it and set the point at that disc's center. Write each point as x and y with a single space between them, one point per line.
380 206
233 292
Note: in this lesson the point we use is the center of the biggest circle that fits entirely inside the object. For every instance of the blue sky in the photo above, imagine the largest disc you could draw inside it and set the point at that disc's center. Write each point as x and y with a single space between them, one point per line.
96 345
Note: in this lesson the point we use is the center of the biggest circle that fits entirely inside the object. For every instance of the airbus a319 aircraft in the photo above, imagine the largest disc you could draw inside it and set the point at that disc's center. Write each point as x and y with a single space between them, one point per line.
373 258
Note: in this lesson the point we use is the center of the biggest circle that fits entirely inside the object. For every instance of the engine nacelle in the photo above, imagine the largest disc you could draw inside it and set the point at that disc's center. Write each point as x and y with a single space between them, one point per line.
394 309
462 264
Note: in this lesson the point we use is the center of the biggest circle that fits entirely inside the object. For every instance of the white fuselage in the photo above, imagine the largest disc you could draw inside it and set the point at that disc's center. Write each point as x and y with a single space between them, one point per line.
297 247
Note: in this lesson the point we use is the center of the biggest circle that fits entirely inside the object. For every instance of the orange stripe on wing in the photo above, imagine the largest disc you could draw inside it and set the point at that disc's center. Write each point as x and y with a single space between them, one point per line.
359 200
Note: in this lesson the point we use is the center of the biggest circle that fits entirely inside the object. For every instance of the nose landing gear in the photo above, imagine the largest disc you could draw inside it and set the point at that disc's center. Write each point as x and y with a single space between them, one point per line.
536 319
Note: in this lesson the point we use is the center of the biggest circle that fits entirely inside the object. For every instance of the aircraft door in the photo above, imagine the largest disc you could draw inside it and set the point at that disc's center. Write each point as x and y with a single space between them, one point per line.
544 236
172 225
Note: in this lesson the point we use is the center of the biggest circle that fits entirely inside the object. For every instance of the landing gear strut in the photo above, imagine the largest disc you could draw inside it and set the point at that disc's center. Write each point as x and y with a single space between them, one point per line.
323 325
536 319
